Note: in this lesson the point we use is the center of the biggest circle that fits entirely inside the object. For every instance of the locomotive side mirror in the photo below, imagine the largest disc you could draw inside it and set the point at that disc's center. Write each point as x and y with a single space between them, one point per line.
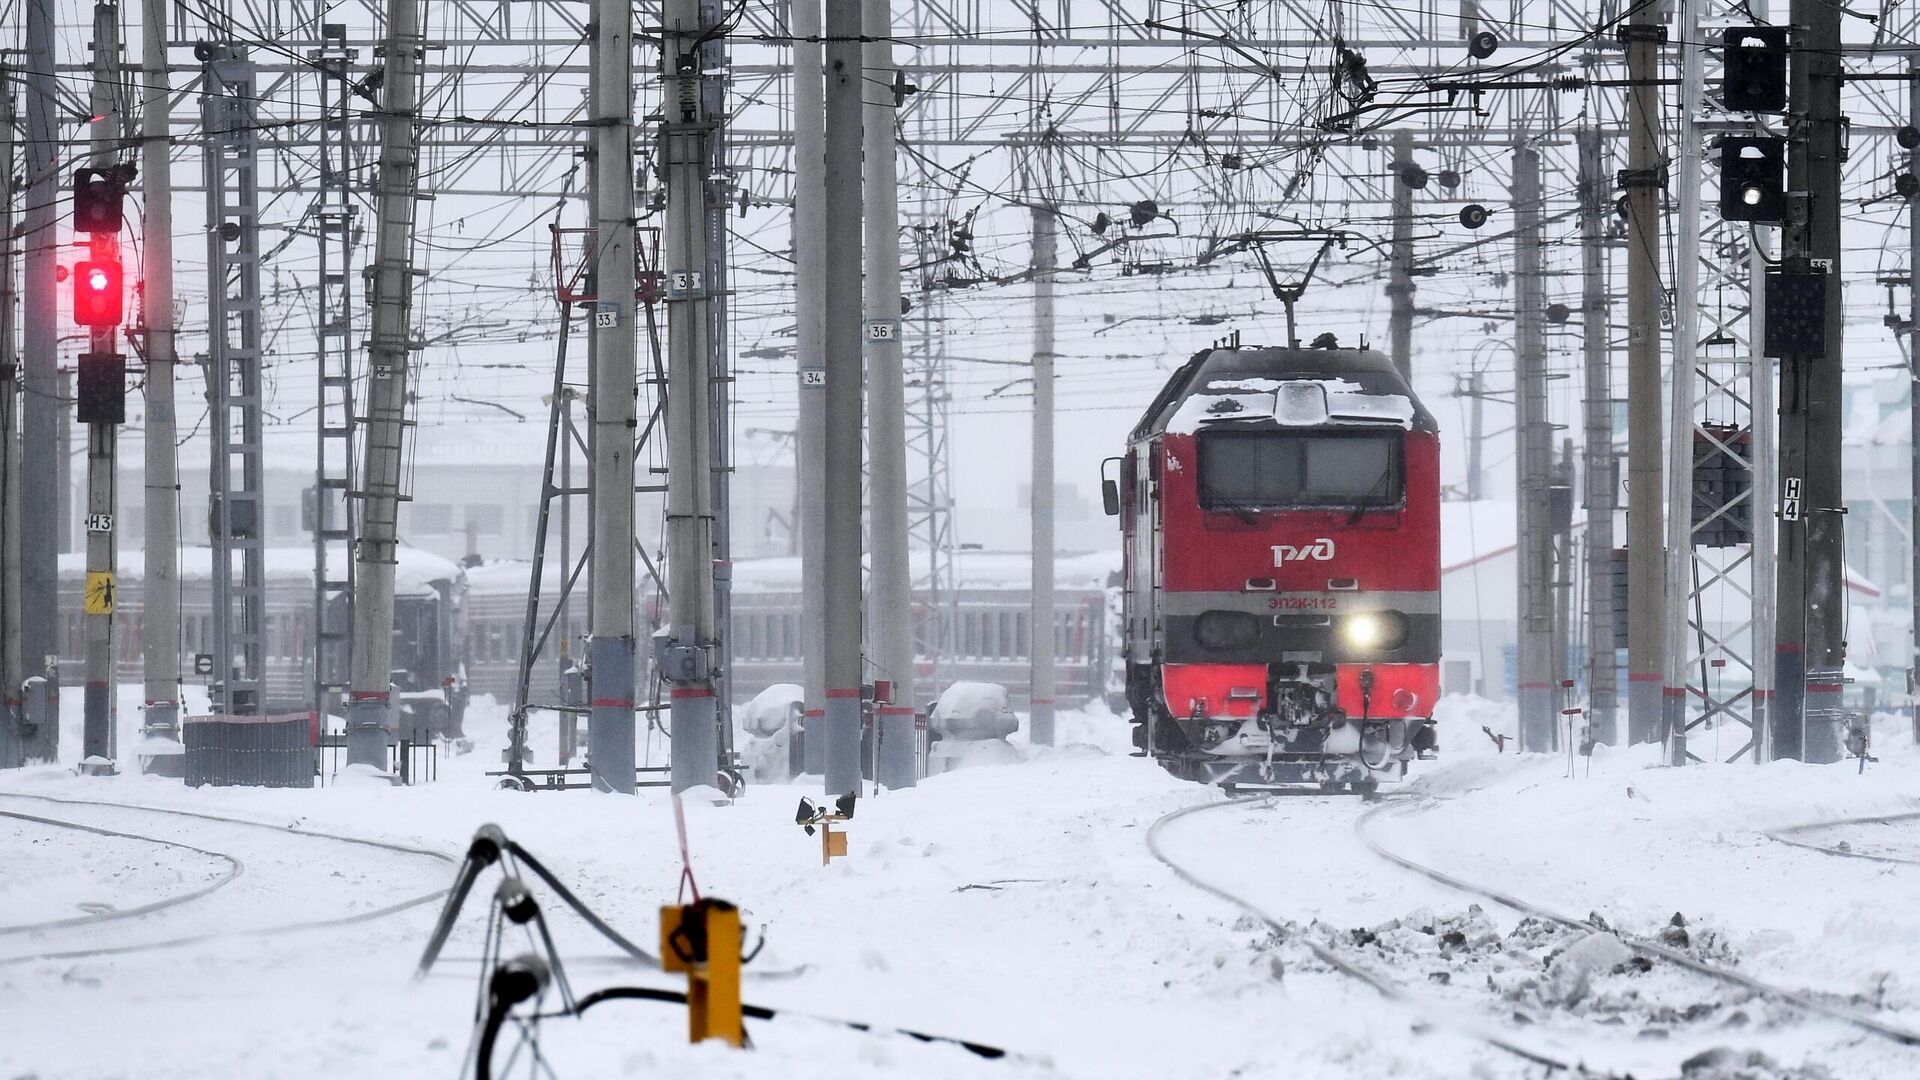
1109 490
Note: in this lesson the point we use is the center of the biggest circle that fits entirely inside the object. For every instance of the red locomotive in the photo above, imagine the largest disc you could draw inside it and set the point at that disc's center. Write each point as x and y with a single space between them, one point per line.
1280 509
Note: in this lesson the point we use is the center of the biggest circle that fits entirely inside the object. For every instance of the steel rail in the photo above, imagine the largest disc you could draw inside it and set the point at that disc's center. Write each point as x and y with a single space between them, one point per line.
1386 988
1785 836
268 931
233 871
1640 945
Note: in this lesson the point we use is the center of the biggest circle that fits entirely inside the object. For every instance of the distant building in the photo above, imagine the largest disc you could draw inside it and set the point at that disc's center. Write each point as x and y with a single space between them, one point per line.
1479 605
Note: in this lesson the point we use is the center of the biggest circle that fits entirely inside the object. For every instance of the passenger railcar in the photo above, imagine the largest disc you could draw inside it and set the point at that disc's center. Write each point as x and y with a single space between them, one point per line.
430 631
497 622
1280 517
988 628
987 620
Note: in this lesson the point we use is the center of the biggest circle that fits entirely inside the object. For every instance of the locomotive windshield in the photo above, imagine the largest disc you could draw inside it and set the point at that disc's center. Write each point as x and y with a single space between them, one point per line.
1248 469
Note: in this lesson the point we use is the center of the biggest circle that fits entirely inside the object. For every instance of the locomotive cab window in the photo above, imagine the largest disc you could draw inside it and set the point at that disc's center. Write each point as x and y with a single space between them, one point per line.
1285 469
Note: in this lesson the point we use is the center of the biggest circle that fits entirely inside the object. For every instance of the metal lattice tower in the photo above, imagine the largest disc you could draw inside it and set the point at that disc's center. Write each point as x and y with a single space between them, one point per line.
930 498
332 524
1720 528
233 380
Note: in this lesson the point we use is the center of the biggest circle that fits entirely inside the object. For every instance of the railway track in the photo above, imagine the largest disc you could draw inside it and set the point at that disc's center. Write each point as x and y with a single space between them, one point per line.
1650 949
1794 836
1437 1012
233 869
193 901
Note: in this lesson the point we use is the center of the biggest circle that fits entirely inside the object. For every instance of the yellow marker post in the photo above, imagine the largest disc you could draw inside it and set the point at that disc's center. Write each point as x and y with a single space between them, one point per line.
810 816
703 940
832 843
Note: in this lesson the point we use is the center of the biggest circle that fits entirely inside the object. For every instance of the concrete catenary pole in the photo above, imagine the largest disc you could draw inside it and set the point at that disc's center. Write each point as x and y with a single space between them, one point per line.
1913 363
1686 339
1476 432
43 454
1646 570
1809 633
844 400
1563 473
1400 272
893 652
1534 443
717 64
1597 467
160 594
10 674
691 641
810 302
1045 261
389 344
99 737
611 404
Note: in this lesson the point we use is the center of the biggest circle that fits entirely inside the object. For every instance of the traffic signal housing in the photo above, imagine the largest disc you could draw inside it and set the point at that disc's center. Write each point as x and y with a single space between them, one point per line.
1753 63
102 388
1753 178
99 290
98 195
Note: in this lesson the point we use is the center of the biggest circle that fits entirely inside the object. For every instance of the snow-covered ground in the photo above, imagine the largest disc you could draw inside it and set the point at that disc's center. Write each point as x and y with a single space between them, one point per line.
1014 905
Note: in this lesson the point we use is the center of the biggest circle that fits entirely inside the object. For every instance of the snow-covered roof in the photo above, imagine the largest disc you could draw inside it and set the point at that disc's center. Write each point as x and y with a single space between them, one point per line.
415 571
1289 403
1479 576
512 576
972 570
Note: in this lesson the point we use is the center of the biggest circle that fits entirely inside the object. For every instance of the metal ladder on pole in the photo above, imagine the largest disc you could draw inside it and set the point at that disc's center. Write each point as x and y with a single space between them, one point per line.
235 518
330 511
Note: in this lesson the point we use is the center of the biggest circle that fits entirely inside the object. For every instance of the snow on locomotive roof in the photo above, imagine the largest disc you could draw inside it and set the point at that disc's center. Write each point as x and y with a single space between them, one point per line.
972 570
1290 403
415 572
1287 387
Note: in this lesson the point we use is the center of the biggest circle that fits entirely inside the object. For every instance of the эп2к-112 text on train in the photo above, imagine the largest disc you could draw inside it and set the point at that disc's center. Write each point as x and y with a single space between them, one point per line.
1280 519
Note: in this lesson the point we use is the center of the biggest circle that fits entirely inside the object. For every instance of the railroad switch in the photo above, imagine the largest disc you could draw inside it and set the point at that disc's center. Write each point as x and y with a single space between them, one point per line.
703 940
832 844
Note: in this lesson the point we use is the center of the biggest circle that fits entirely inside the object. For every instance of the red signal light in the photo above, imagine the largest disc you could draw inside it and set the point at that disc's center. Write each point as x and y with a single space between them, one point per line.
98 293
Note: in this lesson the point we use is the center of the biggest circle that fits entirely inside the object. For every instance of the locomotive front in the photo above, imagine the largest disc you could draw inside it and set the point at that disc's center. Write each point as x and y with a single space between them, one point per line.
1280 510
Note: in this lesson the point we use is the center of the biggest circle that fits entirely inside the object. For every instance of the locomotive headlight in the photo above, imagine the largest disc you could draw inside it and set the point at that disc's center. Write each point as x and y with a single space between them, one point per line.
1370 631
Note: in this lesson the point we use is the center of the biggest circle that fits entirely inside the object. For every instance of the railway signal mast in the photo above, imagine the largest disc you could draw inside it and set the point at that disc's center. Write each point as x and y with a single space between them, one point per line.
99 291
1804 329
